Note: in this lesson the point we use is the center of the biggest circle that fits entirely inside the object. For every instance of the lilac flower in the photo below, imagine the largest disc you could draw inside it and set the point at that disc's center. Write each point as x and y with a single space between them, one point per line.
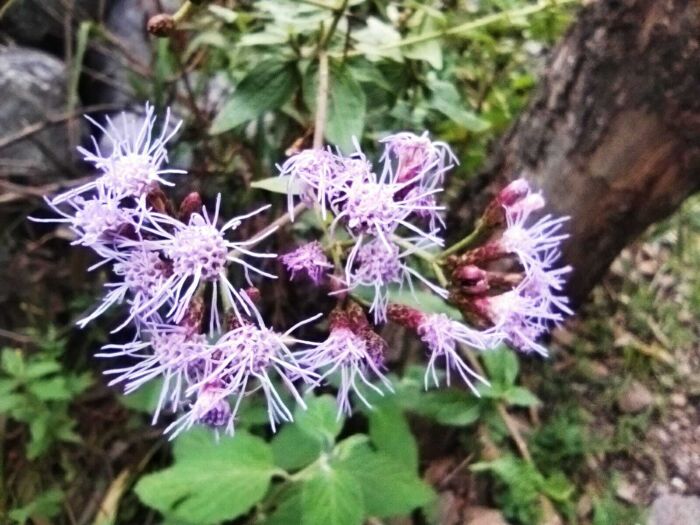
530 242
318 175
170 352
308 259
521 315
355 352
143 275
417 156
376 265
377 208
442 335
96 222
200 253
244 360
134 166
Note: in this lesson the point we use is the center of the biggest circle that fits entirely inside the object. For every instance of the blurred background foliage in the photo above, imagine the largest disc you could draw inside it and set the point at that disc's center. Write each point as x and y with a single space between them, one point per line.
551 442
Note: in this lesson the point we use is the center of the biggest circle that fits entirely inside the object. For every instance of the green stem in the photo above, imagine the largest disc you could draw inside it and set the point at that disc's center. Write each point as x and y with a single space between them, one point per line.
469 26
465 242
426 256
323 44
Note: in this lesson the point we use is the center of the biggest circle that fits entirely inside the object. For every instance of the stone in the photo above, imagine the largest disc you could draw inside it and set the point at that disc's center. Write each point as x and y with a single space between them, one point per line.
127 20
31 22
634 398
32 87
675 510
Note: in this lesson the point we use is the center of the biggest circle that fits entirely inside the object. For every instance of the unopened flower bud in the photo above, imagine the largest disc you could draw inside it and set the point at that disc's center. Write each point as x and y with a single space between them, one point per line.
189 205
253 294
471 279
161 25
404 315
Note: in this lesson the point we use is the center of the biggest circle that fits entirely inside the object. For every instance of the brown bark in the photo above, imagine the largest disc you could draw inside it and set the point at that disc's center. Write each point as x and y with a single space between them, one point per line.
612 135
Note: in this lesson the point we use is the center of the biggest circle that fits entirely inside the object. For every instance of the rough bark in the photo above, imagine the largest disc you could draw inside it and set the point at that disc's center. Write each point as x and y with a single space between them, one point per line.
612 135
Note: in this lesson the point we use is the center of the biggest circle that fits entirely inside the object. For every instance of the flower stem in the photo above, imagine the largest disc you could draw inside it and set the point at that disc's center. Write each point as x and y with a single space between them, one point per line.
469 26
465 242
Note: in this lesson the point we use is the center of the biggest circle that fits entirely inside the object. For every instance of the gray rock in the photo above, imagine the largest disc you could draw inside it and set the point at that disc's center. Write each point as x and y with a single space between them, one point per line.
675 510
634 398
31 21
127 21
32 86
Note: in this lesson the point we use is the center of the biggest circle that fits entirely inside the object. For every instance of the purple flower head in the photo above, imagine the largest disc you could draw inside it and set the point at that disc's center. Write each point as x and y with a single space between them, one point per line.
415 155
200 254
378 208
97 222
143 275
442 335
134 166
317 175
211 407
169 352
521 315
355 353
244 360
377 265
529 243
308 259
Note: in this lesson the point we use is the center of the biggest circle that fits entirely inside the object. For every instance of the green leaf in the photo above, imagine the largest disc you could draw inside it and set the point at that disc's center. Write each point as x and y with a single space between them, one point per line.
447 101
429 51
52 389
279 184
421 299
389 487
145 399
378 39
320 420
520 396
46 505
332 496
38 369
227 15
391 434
502 367
292 448
210 481
268 86
347 106
12 362
448 407
288 509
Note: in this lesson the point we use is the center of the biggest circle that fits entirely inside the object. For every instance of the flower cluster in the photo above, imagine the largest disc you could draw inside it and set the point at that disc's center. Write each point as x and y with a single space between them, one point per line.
387 214
526 303
188 277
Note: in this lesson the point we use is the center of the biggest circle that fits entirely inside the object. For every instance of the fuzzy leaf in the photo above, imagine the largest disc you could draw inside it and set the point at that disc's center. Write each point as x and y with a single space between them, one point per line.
332 496
268 86
209 481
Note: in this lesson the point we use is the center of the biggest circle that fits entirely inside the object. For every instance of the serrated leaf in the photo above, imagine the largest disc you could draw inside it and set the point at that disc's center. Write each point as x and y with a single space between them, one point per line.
447 101
46 505
520 396
347 106
378 39
268 86
390 433
502 367
448 407
227 15
389 487
332 496
12 362
279 184
320 420
38 369
292 448
51 389
429 51
210 481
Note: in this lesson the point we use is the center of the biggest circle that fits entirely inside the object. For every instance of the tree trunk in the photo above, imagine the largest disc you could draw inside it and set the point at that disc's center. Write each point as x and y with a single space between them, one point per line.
612 135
